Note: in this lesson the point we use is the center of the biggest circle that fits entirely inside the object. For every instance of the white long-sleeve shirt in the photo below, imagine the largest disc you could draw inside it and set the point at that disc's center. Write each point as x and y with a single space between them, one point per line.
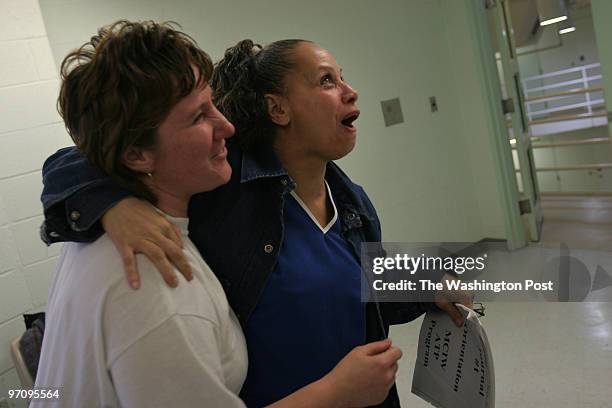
106 345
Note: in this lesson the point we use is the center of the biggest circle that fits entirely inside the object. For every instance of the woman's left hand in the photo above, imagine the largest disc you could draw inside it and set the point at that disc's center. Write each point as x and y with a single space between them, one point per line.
446 300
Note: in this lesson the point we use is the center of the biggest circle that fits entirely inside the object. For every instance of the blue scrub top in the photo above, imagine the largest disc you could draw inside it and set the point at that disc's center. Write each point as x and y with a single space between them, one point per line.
310 314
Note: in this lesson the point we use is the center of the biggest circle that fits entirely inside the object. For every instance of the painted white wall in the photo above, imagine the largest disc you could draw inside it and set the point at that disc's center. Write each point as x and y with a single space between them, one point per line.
30 130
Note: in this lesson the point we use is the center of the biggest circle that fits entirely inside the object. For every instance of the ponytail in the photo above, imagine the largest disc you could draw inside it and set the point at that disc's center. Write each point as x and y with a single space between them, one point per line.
240 82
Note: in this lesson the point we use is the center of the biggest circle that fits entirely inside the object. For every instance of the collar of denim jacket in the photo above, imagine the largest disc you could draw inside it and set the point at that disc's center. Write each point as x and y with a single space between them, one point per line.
260 163
263 163
348 194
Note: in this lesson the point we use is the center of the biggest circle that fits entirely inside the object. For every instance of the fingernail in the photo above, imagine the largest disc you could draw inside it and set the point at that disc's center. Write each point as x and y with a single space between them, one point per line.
174 281
135 284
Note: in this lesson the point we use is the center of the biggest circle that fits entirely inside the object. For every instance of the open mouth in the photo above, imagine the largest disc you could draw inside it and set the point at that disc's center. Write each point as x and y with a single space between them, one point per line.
349 119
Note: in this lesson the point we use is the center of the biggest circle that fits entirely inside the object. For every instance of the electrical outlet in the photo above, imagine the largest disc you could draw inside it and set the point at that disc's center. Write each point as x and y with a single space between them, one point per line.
392 111
433 104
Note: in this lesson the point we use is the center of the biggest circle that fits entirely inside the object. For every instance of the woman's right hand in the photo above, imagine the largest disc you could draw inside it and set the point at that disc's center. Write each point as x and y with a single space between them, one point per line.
365 375
135 226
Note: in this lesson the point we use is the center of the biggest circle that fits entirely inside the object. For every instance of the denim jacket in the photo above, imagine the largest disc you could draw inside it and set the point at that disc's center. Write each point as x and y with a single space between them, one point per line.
238 227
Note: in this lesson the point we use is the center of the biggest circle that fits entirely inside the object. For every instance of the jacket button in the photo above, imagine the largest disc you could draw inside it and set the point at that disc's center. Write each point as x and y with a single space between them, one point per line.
268 248
75 215
284 182
350 216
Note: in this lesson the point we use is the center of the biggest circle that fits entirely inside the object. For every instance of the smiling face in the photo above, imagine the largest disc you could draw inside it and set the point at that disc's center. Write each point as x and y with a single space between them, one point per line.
190 155
320 105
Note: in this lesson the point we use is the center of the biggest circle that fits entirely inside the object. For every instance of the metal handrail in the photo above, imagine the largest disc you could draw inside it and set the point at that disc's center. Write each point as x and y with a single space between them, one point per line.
591 141
560 118
592 104
562 72
597 166
560 95
557 100
585 80
566 83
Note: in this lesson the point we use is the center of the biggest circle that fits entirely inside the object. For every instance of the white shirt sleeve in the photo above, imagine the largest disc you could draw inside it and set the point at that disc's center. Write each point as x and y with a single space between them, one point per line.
176 364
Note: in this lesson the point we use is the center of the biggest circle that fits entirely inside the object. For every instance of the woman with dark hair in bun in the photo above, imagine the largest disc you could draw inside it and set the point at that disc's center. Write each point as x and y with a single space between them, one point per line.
283 236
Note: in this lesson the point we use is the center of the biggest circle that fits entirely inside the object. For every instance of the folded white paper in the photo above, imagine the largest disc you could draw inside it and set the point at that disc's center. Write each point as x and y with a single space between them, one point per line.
454 365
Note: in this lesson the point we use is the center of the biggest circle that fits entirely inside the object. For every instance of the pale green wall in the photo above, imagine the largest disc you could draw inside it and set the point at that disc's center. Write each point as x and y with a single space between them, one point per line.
602 21
432 177
470 121
577 180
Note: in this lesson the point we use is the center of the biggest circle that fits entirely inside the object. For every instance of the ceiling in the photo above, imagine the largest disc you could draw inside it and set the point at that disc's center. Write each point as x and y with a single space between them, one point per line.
525 20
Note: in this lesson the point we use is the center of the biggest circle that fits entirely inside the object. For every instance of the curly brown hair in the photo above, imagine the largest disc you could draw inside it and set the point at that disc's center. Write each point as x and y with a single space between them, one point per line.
119 87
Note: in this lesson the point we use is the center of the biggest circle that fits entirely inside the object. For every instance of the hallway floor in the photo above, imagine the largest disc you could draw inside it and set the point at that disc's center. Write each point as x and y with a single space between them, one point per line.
580 221
545 354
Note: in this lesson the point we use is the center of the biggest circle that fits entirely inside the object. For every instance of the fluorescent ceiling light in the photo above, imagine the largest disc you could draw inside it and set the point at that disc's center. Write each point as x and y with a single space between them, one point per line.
551 11
553 20
567 30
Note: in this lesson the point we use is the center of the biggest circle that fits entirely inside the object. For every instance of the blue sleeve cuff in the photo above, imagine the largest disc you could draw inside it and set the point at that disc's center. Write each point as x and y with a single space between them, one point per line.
75 197
78 217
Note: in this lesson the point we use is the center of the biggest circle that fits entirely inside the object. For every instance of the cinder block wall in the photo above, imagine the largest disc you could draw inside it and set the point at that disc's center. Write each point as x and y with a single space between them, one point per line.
30 129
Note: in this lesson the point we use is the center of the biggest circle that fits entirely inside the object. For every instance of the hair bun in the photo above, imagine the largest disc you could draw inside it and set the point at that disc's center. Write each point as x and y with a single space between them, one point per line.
242 78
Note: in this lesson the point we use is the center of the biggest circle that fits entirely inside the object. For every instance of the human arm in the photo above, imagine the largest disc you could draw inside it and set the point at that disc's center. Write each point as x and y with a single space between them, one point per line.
178 364
76 197
135 226
371 367
445 300
406 311
362 378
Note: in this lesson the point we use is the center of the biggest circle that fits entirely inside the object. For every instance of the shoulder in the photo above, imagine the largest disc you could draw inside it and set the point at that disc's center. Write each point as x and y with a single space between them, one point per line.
342 180
351 197
91 286
96 270
94 266
132 314
155 301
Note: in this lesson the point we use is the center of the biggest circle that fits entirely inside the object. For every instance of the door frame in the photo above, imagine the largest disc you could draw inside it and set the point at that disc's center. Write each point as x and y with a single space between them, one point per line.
500 11
500 148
